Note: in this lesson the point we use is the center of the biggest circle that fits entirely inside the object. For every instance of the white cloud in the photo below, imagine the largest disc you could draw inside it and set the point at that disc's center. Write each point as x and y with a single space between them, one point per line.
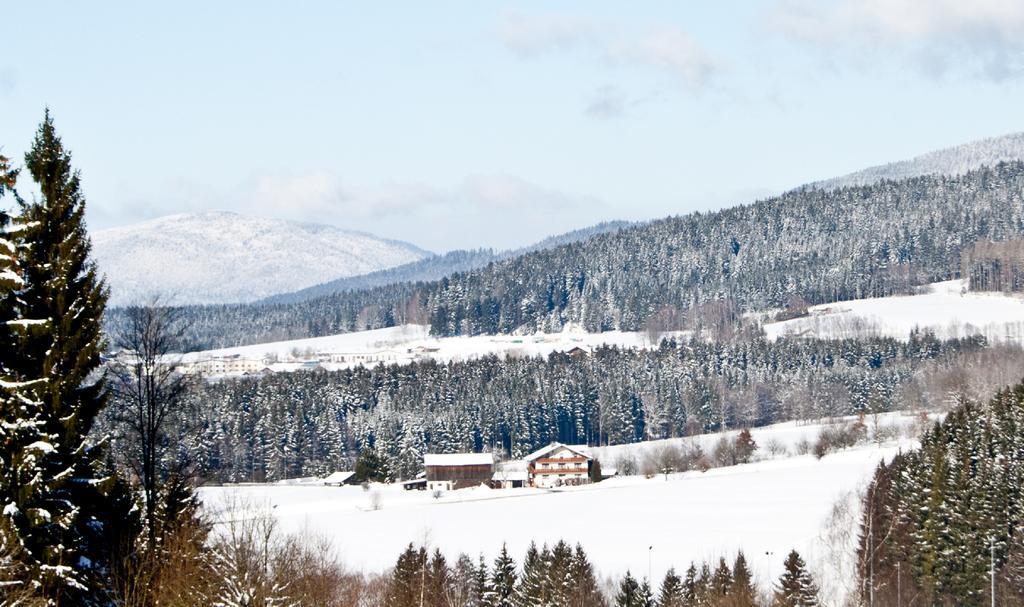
671 49
664 47
607 102
323 194
983 38
530 35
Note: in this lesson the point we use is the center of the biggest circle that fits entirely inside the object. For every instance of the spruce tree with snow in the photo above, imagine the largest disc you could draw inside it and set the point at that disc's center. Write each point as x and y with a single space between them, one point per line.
671 593
20 436
646 595
721 580
585 590
406 585
501 592
795 588
629 594
535 587
691 586
742 592
65 516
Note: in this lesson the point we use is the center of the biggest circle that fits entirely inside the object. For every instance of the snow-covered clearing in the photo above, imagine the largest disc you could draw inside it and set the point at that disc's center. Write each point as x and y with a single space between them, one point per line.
764 508
947 308
406 343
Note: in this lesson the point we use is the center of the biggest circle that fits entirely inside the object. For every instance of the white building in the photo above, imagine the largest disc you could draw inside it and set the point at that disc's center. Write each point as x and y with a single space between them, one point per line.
559 464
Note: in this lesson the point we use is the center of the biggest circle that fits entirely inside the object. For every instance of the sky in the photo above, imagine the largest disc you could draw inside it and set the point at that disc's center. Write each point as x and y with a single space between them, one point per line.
495 124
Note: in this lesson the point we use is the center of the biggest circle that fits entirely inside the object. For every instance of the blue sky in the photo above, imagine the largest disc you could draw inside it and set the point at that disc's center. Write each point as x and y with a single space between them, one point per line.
466 124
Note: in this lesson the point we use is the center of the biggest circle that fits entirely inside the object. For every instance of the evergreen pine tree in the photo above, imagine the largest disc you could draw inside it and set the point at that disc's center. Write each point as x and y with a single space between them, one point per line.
629 592
671 593
437 582
585 591
721 580
406 584
690 586
646 596
742 593
502 590
18 430
534 589
796 588
65 514
478 591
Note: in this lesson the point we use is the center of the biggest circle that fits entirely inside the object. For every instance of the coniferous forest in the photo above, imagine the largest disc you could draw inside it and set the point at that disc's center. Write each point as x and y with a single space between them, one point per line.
305 423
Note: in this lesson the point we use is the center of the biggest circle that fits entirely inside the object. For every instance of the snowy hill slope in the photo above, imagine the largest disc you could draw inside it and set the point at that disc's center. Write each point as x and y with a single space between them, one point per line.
222 257
956 160
764 508
946 309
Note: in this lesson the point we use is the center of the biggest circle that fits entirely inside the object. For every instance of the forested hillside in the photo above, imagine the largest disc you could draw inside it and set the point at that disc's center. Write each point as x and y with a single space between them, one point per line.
298 424
819 245
439 266
940 519
955 160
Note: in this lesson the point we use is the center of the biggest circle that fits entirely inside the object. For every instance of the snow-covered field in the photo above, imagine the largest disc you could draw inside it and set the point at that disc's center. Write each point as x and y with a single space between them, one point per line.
947 309
409 342
764 508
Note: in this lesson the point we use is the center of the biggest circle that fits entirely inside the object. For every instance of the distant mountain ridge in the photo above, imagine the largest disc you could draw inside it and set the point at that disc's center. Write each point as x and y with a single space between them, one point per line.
951 161
221 257
439 266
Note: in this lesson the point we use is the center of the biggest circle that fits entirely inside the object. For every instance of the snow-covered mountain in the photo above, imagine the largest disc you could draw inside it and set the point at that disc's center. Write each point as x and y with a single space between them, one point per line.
220 257
956 160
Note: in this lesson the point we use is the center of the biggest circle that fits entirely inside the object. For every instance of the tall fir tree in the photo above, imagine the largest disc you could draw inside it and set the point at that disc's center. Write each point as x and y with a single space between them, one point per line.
671 593
501 592
67 516
629 592
721 580
691 586
796 588
19 431
585 590
742 593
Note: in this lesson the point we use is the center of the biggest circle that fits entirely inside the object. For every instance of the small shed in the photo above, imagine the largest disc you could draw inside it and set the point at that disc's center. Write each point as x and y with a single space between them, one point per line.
448 471
511 474
339 478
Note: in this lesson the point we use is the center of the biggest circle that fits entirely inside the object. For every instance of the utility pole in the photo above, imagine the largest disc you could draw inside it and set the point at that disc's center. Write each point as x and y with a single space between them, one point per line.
650 551
992 570
899 587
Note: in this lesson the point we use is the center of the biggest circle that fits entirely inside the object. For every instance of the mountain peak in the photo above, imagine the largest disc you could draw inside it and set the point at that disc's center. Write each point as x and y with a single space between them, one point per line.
222 257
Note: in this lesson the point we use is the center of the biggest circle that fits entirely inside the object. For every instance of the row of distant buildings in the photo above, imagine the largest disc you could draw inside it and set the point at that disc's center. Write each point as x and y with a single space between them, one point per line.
553 466
240 365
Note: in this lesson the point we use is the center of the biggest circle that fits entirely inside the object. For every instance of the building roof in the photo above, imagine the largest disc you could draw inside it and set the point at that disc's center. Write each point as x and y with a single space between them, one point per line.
458 459
580 450
337 477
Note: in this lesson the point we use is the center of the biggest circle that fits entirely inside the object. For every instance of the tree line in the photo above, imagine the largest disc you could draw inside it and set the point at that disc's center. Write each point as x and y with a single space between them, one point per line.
312 423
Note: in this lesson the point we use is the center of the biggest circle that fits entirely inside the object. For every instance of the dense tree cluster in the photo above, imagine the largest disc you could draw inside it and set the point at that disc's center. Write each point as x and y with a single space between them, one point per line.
995 266
562 575
936 520
439 266
305 423
820 245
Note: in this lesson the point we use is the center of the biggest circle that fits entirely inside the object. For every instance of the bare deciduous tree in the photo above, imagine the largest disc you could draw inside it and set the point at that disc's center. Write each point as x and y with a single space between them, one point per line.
148 389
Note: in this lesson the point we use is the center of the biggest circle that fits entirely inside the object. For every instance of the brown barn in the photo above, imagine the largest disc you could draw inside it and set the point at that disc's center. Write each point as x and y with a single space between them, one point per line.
450 471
